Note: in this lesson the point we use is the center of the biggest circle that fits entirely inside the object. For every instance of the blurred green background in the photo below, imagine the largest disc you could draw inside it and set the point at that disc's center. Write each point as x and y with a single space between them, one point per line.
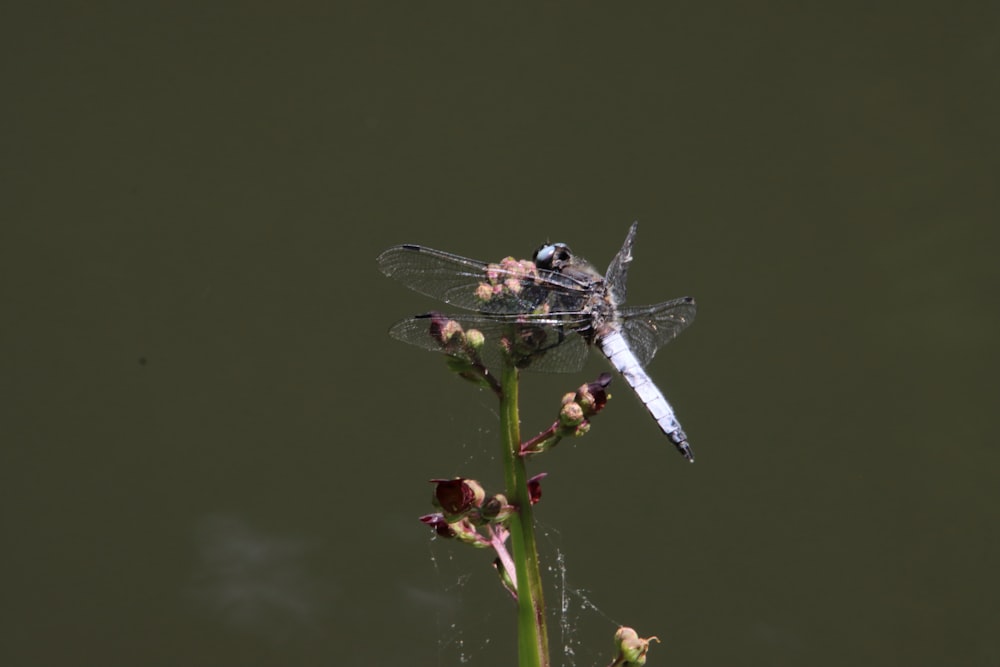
212 454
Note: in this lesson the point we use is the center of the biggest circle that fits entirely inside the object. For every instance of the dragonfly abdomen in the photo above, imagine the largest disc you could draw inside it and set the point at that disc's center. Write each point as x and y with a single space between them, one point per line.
617 351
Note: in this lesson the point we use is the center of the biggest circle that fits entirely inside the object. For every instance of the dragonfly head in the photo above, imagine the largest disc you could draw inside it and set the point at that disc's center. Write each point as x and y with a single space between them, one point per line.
553 256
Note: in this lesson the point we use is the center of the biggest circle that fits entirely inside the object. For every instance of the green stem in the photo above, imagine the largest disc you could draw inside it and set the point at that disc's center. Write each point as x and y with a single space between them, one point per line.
533 641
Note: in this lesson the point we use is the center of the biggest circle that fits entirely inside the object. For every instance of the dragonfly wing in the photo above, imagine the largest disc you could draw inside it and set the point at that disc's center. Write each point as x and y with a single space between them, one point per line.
509 286
648 328
617 273
536 343
441 275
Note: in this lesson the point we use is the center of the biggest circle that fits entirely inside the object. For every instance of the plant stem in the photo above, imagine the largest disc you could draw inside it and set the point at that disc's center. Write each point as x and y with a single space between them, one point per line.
533 641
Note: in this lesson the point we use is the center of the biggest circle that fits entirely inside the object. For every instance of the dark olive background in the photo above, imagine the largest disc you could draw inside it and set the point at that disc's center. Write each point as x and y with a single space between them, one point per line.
213 455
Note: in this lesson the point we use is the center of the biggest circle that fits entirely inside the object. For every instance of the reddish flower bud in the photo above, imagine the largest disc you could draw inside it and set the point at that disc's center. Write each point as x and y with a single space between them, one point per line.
593 396
439 524
535 487
457 496
444 330
462 530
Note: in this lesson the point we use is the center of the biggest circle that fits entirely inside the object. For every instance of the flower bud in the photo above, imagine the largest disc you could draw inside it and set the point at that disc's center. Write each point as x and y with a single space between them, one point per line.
484 292
466 532
496 508
631 648
535 487
444 330
571 414
439 524
593 396
458 496
474 338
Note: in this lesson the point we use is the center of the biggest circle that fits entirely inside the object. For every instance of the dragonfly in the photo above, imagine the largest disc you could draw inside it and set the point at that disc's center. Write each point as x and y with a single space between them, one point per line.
545 314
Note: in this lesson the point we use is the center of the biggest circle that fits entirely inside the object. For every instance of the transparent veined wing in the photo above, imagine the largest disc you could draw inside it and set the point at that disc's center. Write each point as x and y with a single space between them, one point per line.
648 328
617 273
535 343
508 286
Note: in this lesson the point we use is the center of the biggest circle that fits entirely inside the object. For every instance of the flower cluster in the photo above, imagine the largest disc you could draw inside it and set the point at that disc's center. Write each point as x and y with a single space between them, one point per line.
470 516
463 350
506 279
574 415
588 400
465 508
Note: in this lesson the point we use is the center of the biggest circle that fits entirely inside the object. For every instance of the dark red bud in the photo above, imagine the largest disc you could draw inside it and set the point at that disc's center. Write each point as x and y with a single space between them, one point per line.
535 487
439 524
594 395
458 496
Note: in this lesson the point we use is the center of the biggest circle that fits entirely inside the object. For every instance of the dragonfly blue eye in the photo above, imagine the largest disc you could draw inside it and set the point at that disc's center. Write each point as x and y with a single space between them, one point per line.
553 255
